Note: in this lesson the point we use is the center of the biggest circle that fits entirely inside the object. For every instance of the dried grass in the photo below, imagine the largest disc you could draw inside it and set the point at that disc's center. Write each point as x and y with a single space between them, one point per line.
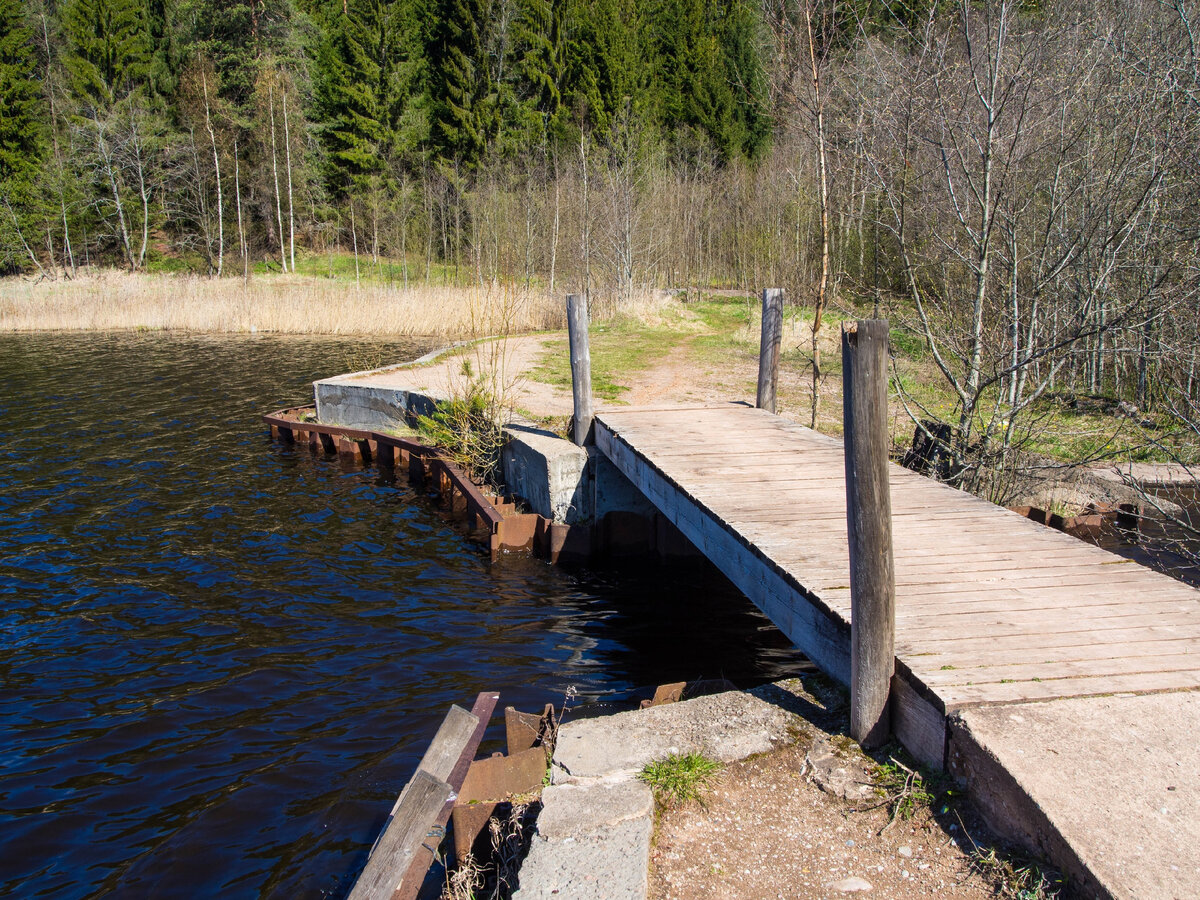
116 301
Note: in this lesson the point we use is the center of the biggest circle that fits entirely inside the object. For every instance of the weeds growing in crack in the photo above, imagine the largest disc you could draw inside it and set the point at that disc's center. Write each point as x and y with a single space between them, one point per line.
903 790
1016 878
679 777
496 879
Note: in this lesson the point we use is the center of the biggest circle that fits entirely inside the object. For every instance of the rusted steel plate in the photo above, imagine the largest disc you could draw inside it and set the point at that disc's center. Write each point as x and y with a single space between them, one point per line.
526 730
490 782
502 777
668 693
355 443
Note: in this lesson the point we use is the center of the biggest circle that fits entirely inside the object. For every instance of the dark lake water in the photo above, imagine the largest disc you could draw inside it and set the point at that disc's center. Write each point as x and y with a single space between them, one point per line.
220 659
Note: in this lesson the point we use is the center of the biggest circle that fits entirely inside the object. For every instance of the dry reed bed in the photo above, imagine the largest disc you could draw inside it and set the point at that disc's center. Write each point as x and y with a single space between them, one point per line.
114 301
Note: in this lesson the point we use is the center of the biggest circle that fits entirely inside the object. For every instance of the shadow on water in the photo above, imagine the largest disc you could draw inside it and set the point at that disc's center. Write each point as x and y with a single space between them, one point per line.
222 658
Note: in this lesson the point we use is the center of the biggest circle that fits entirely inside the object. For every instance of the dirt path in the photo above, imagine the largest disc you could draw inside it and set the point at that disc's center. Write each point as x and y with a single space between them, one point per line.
809 823
507 362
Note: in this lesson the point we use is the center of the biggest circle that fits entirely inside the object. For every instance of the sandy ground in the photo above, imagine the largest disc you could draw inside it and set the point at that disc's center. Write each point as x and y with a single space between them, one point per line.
807 823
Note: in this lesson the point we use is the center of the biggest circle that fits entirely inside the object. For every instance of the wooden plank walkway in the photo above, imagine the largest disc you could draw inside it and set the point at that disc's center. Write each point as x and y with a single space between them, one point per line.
991 608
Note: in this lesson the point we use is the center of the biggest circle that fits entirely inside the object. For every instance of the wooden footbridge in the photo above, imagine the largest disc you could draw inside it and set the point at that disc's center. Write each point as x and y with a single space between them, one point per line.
994 615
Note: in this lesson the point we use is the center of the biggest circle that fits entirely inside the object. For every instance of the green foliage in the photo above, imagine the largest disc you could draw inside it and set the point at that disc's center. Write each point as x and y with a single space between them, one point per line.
679 778
904 789
459 81
110 51
369 88
21 114
467 427
240 37
1017 878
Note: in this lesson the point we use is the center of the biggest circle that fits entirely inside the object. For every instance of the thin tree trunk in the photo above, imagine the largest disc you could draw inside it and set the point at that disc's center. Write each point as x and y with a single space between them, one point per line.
822 285
62 197
237 193
287 146
275 172
106 157
586 241
212 137
354 239
17 225
554 230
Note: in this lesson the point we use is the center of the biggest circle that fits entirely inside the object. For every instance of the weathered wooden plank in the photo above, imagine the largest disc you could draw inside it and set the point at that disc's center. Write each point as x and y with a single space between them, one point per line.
1117 665
448 744
1131 654
408 826
961 696
919 723
1084 635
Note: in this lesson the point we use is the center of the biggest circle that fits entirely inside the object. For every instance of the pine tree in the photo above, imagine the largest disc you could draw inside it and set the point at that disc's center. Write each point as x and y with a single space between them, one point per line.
367 75
538 73
109 51
742 45
21 114
239 36
604 71
458 82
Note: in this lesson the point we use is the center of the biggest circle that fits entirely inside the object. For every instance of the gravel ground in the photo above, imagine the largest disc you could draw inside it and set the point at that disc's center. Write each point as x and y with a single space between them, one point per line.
806 822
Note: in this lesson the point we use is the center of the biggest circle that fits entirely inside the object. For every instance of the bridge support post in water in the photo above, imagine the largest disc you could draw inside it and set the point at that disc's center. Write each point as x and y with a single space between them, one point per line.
768 348
869 525
581 367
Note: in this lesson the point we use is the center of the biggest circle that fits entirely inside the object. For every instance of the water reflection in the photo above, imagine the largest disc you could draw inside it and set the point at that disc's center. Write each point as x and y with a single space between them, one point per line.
222 658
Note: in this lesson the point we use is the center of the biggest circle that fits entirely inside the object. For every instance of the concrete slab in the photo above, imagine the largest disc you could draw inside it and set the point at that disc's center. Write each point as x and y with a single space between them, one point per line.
343 401
576 810
1108 787
726 726
612 864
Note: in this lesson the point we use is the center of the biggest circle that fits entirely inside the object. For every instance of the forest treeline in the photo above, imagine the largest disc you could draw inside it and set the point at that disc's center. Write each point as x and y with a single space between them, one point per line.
1015 183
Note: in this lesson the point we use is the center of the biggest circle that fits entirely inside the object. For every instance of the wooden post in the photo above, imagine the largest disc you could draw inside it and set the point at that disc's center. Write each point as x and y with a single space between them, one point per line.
581 366
869 524
768 348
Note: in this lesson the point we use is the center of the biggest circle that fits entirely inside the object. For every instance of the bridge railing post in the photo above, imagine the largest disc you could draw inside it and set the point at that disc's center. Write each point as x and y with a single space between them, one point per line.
581 367
768 348
869 525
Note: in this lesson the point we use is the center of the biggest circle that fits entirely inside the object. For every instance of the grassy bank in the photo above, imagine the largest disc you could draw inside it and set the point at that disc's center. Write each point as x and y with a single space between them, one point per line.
291 304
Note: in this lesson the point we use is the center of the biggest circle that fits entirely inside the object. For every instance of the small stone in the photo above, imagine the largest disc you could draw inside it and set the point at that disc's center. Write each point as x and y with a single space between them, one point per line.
851 885
849 843
906 852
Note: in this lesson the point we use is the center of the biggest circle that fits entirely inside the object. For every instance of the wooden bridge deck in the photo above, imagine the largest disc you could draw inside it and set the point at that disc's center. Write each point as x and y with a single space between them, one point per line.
991 607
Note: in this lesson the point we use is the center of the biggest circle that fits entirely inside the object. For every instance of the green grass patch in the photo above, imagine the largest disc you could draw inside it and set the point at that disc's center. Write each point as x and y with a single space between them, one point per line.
679 778
618 349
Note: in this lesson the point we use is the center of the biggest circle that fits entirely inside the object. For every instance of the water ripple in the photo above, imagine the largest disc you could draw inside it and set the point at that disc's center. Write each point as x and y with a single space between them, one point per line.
221 658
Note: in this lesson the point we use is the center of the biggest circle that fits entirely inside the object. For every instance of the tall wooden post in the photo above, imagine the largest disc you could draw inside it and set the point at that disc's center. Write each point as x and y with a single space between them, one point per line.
581 366
869 524
768 348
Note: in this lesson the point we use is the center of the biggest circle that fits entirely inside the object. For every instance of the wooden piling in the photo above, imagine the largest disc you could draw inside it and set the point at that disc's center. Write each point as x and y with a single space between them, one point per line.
869 524
768 348
581 367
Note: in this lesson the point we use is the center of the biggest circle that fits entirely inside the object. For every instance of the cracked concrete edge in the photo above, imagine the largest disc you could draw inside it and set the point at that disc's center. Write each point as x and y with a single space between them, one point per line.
593 835
727 727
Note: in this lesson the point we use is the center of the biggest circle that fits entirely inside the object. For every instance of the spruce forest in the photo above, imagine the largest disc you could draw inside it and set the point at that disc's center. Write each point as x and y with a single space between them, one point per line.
1015 184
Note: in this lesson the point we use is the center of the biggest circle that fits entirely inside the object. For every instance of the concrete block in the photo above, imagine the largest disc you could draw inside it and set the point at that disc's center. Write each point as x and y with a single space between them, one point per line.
342 401
549 473
575 810
613 864
726 726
